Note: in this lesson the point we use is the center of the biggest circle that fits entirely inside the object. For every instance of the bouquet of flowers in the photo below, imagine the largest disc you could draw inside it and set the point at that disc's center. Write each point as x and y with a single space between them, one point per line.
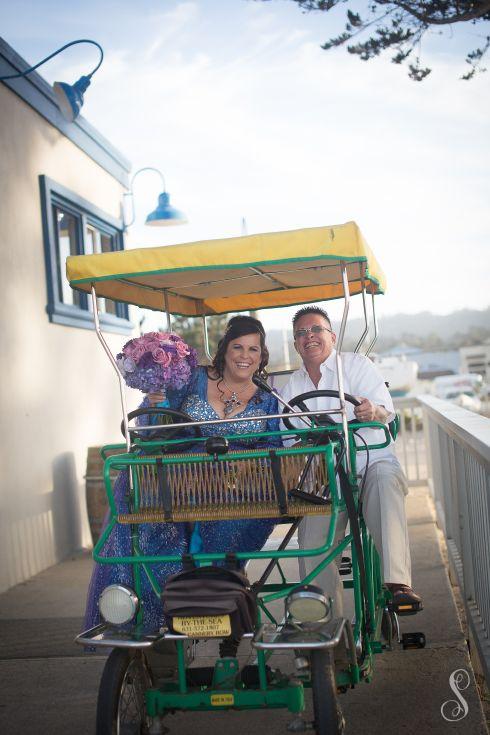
156 361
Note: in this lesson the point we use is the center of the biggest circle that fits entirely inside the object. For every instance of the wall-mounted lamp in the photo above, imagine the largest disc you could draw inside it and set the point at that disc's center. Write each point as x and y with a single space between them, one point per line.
164 214
68 97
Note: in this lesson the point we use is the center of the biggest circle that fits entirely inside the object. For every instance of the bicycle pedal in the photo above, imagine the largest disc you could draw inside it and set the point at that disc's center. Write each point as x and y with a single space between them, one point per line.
413 640
404 608
345 566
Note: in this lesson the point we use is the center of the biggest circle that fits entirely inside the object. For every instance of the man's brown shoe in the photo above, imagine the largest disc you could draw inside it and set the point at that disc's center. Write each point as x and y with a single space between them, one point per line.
404 601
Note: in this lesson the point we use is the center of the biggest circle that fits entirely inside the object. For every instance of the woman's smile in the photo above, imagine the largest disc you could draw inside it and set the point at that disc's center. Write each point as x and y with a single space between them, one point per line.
242 357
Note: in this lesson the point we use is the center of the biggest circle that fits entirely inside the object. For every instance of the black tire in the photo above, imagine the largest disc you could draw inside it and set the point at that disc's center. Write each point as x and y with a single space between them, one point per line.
121 702
326 709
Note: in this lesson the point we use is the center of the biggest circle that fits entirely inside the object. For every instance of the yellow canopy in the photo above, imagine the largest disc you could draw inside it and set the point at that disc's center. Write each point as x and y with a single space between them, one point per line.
234 274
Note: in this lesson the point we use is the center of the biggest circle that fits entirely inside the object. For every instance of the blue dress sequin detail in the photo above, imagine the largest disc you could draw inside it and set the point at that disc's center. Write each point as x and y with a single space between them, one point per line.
174 538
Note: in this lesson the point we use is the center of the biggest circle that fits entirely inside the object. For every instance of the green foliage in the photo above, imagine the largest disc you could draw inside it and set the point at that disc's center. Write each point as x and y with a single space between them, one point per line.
191 330
474 59
400 25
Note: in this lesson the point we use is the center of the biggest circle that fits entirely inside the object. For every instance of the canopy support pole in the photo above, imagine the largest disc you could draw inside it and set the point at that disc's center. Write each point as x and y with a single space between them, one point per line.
338 361
366 325
95 311
167 310
375 324
206 339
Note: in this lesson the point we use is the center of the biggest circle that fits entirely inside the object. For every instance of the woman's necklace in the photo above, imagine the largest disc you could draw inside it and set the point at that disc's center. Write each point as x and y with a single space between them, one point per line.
233 401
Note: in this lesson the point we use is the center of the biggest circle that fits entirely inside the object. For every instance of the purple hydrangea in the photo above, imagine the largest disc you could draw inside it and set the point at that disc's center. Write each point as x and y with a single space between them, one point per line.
156 361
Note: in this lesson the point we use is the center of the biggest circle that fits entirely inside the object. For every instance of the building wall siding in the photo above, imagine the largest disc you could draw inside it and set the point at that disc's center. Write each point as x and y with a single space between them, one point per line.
59 394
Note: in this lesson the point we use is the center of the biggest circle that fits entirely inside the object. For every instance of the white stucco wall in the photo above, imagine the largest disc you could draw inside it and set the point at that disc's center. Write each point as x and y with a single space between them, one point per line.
58 393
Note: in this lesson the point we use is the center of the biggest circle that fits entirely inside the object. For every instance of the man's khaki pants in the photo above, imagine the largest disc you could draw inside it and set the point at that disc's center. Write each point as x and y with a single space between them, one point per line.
384 513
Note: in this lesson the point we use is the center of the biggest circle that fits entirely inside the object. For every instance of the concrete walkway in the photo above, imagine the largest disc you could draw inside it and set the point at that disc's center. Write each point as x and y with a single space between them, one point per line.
47 685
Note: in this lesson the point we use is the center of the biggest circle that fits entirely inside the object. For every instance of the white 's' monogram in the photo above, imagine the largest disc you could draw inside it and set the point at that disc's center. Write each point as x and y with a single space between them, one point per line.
457 710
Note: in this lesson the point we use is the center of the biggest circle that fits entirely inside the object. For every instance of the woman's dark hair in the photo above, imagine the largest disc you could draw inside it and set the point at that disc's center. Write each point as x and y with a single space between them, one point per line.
239 326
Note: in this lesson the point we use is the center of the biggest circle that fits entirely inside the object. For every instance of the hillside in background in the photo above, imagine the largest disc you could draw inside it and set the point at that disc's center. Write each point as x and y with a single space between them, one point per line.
454 330
424 331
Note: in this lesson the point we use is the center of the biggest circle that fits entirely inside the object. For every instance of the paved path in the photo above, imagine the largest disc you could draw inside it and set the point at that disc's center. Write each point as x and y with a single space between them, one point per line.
48 686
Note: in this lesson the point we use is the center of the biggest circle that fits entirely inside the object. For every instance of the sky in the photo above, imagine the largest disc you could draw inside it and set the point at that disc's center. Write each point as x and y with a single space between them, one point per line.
248 118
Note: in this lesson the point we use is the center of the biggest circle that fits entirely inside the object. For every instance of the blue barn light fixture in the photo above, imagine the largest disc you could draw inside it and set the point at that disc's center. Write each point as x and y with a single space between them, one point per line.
69 97
164 214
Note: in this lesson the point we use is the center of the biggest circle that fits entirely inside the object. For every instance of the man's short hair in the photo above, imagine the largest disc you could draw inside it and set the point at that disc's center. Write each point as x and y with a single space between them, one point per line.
311 310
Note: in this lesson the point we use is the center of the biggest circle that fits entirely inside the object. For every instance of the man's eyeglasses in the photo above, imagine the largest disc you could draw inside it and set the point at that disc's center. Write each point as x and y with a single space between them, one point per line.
315 329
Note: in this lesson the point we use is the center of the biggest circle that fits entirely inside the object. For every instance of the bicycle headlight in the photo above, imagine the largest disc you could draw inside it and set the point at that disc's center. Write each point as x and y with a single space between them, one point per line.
118 604
307 604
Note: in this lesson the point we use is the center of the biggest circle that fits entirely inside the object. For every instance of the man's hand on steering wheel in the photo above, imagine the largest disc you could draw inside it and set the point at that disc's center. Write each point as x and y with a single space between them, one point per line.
369 411
366 410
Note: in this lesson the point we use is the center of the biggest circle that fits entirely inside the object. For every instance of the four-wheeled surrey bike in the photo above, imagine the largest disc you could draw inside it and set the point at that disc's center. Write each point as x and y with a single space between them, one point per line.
152 673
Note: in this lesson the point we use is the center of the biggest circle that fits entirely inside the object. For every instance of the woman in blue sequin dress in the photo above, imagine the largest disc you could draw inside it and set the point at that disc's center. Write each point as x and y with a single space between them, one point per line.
224 390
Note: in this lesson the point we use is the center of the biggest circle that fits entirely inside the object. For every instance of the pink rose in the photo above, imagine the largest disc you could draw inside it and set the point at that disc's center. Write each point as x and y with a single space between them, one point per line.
164 338
161 357
148 339
138 352
182 349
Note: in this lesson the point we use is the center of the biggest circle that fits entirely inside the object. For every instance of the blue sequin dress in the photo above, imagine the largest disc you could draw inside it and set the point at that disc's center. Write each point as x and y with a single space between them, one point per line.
174 538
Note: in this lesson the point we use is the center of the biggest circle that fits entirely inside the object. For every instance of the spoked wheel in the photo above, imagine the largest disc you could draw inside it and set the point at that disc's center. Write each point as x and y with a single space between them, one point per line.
121 702
326 709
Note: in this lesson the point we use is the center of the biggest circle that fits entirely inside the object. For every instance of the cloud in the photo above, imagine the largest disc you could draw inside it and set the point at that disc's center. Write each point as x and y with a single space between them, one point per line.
171 25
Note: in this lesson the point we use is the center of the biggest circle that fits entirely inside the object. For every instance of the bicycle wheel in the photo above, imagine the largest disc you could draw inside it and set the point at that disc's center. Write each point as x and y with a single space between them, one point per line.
121 702
326 709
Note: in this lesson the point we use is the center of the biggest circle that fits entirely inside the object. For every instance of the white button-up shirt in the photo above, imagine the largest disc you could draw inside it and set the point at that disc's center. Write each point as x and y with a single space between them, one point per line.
361 379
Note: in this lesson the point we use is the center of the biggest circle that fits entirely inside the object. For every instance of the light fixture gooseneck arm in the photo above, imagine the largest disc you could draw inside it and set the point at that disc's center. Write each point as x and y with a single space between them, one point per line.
147 168
130 192
55 53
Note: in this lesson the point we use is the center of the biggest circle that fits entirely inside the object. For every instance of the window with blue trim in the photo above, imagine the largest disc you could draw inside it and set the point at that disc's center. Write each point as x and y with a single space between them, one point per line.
74 226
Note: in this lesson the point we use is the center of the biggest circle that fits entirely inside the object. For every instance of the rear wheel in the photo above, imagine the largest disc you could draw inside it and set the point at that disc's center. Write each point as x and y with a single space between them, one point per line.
326 709
121 706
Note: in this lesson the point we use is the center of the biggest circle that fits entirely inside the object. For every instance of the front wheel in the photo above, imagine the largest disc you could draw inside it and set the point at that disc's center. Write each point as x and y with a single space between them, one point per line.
326 709
121 706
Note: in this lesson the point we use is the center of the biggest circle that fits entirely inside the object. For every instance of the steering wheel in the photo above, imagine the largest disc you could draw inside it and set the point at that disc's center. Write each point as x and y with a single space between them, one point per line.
175 416
321 420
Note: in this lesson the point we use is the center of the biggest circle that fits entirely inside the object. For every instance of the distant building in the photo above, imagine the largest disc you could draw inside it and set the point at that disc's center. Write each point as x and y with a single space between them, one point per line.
430 364
433 364
62 187
476 359
399 374
401 350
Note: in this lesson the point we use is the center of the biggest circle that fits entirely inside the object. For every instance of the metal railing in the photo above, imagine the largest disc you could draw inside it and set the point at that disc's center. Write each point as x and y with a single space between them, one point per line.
458 443
410 446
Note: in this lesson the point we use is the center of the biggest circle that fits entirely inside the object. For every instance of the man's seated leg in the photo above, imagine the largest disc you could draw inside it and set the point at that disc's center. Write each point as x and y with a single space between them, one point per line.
384 513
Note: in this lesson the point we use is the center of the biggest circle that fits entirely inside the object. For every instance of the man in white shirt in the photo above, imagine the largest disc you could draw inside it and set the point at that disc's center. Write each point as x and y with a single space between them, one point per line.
385 485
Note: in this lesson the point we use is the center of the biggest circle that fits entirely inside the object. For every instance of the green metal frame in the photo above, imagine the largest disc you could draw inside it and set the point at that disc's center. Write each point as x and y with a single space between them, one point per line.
226 690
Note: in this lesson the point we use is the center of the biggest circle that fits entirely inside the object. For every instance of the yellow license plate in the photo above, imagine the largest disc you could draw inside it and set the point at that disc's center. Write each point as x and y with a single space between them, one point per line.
222 700
204 626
